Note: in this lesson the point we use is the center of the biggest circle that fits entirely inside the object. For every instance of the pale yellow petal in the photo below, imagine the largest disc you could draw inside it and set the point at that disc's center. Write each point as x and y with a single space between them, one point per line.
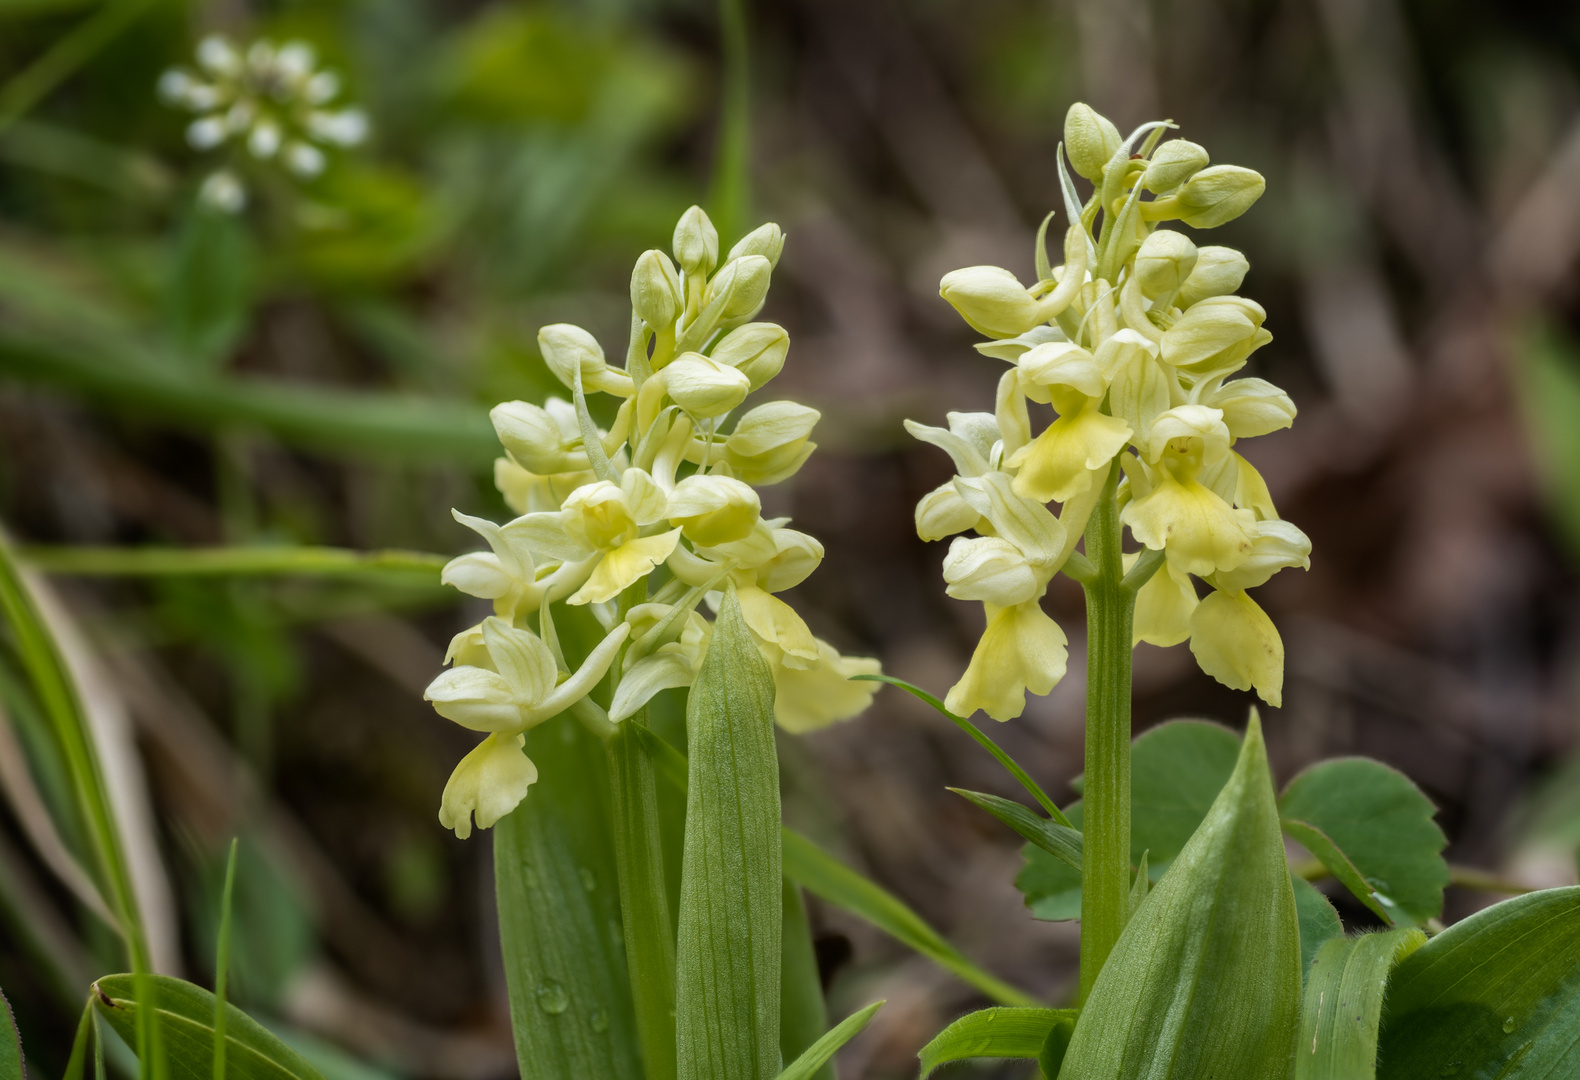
1021 649
1237 644
627 563
1163 608
491 780
777 623
1200 532
809 698
1059 464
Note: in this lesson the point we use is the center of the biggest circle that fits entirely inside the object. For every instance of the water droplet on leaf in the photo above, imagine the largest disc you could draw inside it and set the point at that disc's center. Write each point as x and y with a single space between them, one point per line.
600 1021
552 997
1508 1026
588 881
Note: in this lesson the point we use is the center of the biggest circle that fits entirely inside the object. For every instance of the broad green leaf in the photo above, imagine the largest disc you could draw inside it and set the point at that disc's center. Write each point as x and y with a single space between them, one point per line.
727 951
816 870
206 303
1383 825
1343 1001
821 873
815 1061
1060 841
186 1025
1205 979
1494 997
559 914
992 1033
1318 921
1176 771
11 1059
803 1016
1338 864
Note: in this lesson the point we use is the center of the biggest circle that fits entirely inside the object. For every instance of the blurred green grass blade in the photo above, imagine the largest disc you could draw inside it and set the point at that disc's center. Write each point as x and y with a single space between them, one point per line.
1343 1001
78 1061
731 185
559 910
222 962
821 873
11 1058
1021 776
30 85
229 561
1060 841
992 1033
1494 995
816 870
803 1015
186 1019
376 425
815 1061
727 953
1205 980
62 152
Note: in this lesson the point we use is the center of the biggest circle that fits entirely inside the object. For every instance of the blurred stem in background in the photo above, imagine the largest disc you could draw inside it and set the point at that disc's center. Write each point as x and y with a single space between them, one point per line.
730 196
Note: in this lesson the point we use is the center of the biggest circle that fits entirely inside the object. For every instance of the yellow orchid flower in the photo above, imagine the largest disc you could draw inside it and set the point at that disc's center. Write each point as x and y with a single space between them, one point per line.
1236 643
806 699
1021 649
490 781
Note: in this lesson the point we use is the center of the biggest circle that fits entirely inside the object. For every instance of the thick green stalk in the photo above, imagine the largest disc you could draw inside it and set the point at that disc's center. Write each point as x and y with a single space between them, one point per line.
1105 871
644 900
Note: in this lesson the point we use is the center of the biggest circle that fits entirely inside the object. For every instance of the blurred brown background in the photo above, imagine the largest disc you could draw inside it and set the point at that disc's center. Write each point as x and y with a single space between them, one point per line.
1416 252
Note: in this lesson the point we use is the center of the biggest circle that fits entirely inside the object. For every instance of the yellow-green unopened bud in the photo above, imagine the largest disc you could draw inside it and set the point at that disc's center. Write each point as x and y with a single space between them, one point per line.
756 350
765 240
1219 272
1090 140
696 243
743 283
1218 194
942 512
531 435
771 442
1164 262
1173 163
655 290
992 300
1216 334
703 386
712 510
565 347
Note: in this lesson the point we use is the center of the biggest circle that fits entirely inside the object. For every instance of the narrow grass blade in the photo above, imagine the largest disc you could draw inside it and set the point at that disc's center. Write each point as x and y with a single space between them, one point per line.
1020 774
12 1063
818 1055
731 187
841 886
230 561
992 1033
1060 841
222 963
803 1016
78 1061
26 88
728 951
1343 1003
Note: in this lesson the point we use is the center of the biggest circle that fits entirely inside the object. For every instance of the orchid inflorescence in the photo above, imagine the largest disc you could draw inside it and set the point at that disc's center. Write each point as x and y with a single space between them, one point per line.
664 490
272 101
1132 341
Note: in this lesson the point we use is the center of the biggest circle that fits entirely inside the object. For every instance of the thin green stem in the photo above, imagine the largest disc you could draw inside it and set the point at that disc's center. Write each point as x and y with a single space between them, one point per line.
731 181
29 86
644 900
1105 873
222 963
236 561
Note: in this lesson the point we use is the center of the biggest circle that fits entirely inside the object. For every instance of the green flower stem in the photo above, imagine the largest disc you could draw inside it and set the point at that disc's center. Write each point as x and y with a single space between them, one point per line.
1105 871
644 902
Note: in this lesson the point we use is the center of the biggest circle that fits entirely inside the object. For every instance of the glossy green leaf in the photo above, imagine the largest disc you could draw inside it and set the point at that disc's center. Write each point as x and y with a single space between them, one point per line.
1339 865
992 1033
11 1059
207 300
1319 923
815 1061
186 1025
727 951
821 873
816 870
1494 997
1205 979
1383 825
803 1016
1060 841
1342 1004
570 1001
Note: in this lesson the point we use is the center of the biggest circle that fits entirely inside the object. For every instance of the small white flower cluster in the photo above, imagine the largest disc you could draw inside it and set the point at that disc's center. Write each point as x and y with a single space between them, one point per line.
272 101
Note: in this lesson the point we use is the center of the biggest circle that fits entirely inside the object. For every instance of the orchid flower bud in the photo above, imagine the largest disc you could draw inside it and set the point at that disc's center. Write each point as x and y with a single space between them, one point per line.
1164 262
1216 334
566 347
756 350
992 300
655 290
1172 164
696 243
535 439
712 510
1219 271
942 512
1090 139
765 240
1218 194
743 283
771 442
989 569
704 387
